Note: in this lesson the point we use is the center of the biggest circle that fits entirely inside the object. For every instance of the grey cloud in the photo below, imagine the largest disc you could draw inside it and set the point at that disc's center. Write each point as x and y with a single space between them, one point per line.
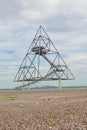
62 22
69 16
9 9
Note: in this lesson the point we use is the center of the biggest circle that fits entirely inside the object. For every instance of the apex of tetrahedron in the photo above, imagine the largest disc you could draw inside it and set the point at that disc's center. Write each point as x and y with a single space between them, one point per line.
41 32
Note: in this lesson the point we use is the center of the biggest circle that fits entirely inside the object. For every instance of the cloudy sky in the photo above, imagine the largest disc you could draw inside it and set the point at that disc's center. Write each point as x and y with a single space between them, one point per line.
65 21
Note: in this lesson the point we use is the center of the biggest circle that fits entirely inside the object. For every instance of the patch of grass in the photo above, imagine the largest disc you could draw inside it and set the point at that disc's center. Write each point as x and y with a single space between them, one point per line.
51 122
7 98
11 97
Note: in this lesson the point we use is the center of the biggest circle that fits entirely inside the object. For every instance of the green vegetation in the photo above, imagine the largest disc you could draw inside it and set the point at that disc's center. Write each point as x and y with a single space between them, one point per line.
51 122
12 97
7 98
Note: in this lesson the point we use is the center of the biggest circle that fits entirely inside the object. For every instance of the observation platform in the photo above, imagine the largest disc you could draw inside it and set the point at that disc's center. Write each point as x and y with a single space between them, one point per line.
40 50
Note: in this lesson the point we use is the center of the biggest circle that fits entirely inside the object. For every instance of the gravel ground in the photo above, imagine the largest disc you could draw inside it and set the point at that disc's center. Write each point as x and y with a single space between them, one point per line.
44 110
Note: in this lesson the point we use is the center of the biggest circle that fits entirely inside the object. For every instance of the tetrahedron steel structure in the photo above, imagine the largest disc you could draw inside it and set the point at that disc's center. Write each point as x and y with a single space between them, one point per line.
42 62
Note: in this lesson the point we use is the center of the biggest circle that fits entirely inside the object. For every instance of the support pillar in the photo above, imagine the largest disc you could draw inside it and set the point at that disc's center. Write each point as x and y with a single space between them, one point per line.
59 81
28 86
23 85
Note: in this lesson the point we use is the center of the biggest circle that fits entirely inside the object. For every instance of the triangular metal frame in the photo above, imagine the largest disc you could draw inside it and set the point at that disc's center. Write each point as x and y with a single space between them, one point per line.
42 48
